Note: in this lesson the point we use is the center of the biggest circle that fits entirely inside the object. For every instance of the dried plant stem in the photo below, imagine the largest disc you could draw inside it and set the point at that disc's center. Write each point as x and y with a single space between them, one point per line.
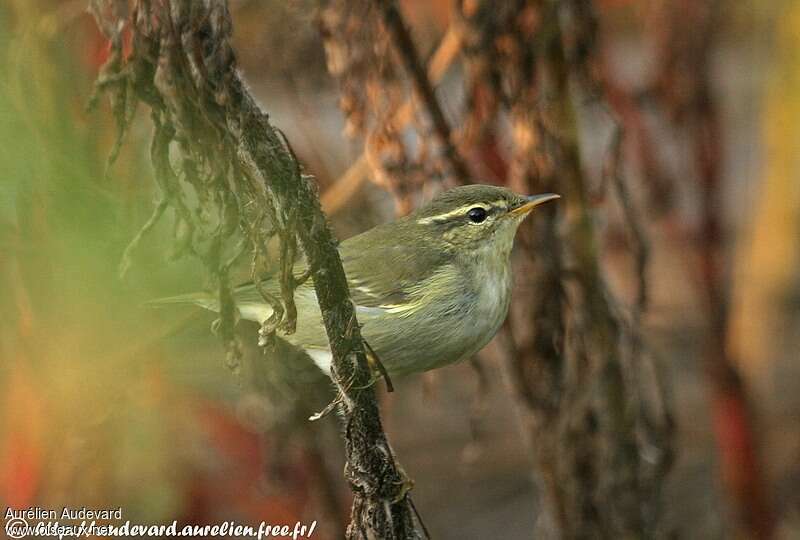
683 93
564 347
347 185
736 435
404 45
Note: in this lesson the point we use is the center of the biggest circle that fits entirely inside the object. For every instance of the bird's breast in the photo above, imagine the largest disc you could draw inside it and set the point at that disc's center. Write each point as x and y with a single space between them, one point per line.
473 314
492 289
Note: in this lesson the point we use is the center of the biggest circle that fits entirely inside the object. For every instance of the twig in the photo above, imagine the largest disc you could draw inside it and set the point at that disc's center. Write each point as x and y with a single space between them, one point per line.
347 185
641 248
405 47
125 262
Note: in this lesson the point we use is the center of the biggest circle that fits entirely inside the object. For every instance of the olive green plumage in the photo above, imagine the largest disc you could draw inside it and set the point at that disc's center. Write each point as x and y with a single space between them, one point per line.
430 288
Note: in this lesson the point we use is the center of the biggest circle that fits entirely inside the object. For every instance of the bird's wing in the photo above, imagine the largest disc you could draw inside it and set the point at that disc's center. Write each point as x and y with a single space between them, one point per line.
381 271
384 271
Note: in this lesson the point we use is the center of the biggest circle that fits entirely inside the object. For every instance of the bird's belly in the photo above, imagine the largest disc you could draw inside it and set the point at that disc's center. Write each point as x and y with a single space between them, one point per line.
447 334
450 329
403 349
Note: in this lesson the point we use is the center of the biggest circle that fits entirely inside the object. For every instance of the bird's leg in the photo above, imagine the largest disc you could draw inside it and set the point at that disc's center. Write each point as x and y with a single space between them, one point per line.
377 369
376 365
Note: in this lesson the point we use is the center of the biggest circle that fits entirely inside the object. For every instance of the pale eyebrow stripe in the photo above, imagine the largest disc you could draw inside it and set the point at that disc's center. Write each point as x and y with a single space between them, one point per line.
438 218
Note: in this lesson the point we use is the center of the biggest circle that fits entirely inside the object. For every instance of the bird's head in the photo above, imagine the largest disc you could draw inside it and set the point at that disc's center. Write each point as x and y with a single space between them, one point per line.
475 219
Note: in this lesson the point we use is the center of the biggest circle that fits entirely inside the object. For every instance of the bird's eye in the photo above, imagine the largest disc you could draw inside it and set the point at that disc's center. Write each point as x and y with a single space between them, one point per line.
477 214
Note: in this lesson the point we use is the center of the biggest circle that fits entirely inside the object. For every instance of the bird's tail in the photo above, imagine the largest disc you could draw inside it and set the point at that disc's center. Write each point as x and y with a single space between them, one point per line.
250 309
202 299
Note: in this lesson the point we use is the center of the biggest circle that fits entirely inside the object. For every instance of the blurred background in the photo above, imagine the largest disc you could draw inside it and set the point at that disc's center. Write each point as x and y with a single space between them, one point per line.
107 403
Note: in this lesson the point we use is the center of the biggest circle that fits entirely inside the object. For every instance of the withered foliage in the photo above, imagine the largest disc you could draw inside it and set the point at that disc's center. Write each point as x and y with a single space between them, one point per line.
595 417
575 357
682 94
234 185
183 69
375 98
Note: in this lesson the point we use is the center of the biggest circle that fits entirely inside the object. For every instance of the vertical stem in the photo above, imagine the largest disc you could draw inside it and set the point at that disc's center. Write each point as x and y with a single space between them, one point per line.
393 20
733 422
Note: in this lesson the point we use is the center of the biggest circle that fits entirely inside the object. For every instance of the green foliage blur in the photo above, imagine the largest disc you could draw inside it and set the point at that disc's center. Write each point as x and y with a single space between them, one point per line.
94 408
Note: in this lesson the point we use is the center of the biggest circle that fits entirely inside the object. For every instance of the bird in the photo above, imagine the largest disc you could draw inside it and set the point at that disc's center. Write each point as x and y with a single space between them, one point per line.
430 288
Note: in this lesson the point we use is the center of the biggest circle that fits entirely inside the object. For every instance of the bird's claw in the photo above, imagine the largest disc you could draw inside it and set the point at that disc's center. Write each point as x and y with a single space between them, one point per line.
376 367
406 485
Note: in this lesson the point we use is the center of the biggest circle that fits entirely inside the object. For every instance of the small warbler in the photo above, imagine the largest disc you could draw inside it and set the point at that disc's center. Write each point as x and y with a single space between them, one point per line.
430 288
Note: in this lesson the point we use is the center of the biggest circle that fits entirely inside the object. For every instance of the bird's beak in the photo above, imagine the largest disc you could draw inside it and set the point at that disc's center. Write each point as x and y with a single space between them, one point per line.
533 201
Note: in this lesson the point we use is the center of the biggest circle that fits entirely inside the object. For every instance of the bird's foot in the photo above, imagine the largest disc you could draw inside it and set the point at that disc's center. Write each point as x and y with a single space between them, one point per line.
406 484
